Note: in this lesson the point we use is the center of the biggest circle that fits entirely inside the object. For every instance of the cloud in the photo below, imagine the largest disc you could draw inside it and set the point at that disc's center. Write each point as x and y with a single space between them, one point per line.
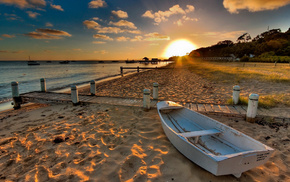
103 37
48 24
97 4
123 23
185 18
24 3
156 36
122 39
137 38
8 36
98 42
57 7
90 24
162 16
11 16
189 9
97 19
47 34
120 14
115 30
53 32
220 35
233 6
32 14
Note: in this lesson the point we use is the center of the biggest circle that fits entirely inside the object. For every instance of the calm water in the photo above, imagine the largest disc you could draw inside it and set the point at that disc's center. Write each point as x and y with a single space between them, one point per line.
56 75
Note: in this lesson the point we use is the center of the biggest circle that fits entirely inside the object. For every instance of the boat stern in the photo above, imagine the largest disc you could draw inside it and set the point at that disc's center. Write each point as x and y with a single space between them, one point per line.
244 162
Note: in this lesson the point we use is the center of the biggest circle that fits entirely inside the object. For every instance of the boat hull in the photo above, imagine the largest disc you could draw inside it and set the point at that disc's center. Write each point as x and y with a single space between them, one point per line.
218 164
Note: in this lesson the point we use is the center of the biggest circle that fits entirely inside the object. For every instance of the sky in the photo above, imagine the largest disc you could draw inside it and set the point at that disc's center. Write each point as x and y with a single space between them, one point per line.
129 29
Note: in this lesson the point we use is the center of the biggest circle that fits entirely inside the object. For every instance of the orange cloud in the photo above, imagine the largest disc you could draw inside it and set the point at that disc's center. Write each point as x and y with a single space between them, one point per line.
8 36
122 39
90 24
124 23
120 14
103 37
97 4
57 7
47 34
156 36
162 16
24 3
233 6
32 14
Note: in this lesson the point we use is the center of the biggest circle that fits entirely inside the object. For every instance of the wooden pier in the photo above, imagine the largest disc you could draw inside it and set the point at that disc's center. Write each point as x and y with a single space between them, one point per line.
228 110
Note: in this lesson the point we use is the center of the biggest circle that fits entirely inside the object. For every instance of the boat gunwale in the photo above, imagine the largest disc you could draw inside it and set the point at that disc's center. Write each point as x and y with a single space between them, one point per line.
213 156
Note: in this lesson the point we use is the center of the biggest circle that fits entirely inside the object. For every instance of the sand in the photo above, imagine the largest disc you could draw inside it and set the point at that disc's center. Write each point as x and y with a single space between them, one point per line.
101 143
61 142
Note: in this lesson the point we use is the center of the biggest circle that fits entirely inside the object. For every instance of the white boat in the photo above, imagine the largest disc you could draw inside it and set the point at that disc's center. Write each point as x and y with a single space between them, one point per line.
210 144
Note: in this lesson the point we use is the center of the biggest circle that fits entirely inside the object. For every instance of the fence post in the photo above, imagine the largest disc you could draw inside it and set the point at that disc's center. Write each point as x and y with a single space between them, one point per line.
146 99
236 94
42 85
121 70
93 87
155 91
252 107
74 95
15 95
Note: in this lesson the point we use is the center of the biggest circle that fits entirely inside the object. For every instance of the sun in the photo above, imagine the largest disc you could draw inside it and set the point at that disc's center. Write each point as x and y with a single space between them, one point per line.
179 48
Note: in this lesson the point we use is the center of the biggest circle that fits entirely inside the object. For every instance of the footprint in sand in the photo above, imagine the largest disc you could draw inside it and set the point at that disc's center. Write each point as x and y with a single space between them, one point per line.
111 141
133 167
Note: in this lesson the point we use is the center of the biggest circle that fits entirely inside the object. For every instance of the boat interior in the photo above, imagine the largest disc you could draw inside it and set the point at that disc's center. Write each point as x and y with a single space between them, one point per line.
201 132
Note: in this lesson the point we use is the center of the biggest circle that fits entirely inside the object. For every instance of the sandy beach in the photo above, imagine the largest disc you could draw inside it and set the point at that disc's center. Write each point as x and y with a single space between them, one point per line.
61 142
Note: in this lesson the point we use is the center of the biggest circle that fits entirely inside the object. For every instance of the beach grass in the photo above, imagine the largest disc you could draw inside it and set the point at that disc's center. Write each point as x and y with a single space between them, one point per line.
266 101
235 72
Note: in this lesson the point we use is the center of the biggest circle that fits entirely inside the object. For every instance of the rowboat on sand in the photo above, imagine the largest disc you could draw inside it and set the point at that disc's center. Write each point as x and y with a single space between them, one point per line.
210 144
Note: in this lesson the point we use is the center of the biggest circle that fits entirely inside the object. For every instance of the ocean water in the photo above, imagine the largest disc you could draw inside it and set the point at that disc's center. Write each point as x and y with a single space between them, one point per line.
56 75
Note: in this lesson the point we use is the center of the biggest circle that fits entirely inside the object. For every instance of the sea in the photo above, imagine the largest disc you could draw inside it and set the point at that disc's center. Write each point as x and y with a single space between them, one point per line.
57 75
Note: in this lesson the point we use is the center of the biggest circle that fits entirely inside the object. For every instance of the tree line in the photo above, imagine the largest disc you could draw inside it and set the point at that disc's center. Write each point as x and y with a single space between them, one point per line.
270 46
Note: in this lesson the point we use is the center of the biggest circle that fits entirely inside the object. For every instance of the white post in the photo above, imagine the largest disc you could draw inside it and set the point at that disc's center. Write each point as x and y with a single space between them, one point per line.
15 95
155 91
146 99
42 85
93 87
74 95
236 94
252 107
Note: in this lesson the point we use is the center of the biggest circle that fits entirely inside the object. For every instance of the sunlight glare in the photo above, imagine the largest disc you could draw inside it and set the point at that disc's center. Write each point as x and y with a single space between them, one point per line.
179 48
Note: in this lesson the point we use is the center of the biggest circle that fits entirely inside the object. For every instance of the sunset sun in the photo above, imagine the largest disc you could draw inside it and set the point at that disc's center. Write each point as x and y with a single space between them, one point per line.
179 48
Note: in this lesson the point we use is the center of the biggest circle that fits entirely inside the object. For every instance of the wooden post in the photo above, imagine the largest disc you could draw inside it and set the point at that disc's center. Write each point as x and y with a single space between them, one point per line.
121 70
275 63
236 94
146 99
15 95
155 91
252 107
74 95
138 69
42 85
93 87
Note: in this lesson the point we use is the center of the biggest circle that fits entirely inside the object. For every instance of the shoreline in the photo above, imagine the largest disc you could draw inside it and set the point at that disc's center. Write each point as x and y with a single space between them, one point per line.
6 104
